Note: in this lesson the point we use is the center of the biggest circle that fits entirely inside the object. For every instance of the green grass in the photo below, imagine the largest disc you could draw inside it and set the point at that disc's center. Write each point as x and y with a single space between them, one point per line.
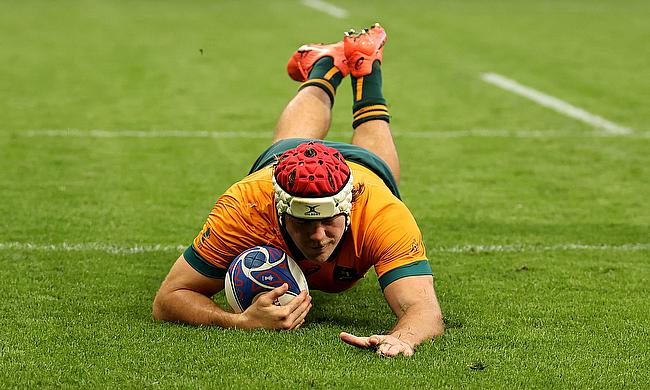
540 316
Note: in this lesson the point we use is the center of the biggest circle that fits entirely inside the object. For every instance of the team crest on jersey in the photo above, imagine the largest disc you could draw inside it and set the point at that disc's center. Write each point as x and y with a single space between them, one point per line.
204 237
415 245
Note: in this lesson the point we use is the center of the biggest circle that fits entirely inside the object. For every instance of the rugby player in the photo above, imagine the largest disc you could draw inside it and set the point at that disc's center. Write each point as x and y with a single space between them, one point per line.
335 208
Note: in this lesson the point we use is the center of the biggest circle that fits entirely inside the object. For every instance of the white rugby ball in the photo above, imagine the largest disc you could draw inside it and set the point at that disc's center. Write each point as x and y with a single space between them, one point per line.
258 270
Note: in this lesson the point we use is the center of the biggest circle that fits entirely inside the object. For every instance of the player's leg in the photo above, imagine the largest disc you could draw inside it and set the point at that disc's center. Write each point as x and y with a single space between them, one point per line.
308 115
321 69
375 136
371 119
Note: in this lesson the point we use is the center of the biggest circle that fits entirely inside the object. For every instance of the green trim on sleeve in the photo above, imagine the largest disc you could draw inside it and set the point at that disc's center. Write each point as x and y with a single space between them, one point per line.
417 268
202 266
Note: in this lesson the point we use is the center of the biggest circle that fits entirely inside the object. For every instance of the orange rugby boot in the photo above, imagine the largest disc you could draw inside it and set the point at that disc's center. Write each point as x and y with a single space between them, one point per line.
305 57
363 48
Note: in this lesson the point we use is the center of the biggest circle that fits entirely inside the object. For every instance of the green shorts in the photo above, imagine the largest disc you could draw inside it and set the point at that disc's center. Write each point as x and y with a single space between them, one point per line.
353 153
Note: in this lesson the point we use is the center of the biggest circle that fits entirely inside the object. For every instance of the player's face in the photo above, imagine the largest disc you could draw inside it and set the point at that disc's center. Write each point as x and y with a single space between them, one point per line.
316 238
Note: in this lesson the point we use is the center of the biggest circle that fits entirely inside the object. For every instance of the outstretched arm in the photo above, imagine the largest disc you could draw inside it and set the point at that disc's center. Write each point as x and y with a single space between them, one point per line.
414 302
185 296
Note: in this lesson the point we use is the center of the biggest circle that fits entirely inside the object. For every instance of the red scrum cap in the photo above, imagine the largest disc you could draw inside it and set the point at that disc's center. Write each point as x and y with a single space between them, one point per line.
312 181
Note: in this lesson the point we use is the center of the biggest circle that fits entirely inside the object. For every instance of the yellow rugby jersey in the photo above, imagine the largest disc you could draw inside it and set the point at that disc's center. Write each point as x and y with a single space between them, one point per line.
382 233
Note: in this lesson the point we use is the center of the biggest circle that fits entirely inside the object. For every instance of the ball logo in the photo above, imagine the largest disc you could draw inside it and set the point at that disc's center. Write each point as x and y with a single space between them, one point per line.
267 278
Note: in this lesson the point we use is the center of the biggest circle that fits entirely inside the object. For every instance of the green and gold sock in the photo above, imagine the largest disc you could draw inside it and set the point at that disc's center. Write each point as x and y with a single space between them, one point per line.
369 103
325 76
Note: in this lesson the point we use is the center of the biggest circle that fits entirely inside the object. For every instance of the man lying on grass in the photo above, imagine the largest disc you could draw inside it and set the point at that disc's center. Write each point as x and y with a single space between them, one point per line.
335 208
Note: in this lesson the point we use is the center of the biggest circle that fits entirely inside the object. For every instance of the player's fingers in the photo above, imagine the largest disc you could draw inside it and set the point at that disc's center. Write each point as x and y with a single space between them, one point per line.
301 309
270 297
301 318
388 349
304 307
360 342
382 349
376 339
297 301
296 307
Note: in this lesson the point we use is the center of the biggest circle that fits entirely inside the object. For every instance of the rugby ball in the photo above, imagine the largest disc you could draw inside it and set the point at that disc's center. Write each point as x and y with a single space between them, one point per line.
258 270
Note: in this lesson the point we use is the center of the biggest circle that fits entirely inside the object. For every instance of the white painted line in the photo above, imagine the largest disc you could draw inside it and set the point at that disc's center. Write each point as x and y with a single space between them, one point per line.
467 249
540 248
492 133
267 135
554 103
74 133
91 246
326 7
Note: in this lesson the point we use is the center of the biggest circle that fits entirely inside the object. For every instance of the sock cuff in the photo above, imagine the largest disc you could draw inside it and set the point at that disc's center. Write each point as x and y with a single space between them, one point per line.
374 109
368 100
371 112
323 84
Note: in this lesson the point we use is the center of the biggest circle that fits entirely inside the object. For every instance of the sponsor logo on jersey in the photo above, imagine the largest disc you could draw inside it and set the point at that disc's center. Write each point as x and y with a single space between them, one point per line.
308 268
345 274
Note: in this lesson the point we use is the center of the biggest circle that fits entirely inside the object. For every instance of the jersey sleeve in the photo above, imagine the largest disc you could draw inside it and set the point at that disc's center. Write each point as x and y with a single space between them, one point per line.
396 242
226 233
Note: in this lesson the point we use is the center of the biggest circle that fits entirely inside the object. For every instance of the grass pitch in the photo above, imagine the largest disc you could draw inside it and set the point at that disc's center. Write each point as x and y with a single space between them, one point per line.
539 240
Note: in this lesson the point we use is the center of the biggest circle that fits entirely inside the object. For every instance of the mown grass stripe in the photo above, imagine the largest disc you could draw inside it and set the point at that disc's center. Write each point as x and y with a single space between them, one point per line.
468 248
267 134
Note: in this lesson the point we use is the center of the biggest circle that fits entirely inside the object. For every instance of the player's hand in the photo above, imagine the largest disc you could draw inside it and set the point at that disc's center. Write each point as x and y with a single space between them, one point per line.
264 313
385 345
